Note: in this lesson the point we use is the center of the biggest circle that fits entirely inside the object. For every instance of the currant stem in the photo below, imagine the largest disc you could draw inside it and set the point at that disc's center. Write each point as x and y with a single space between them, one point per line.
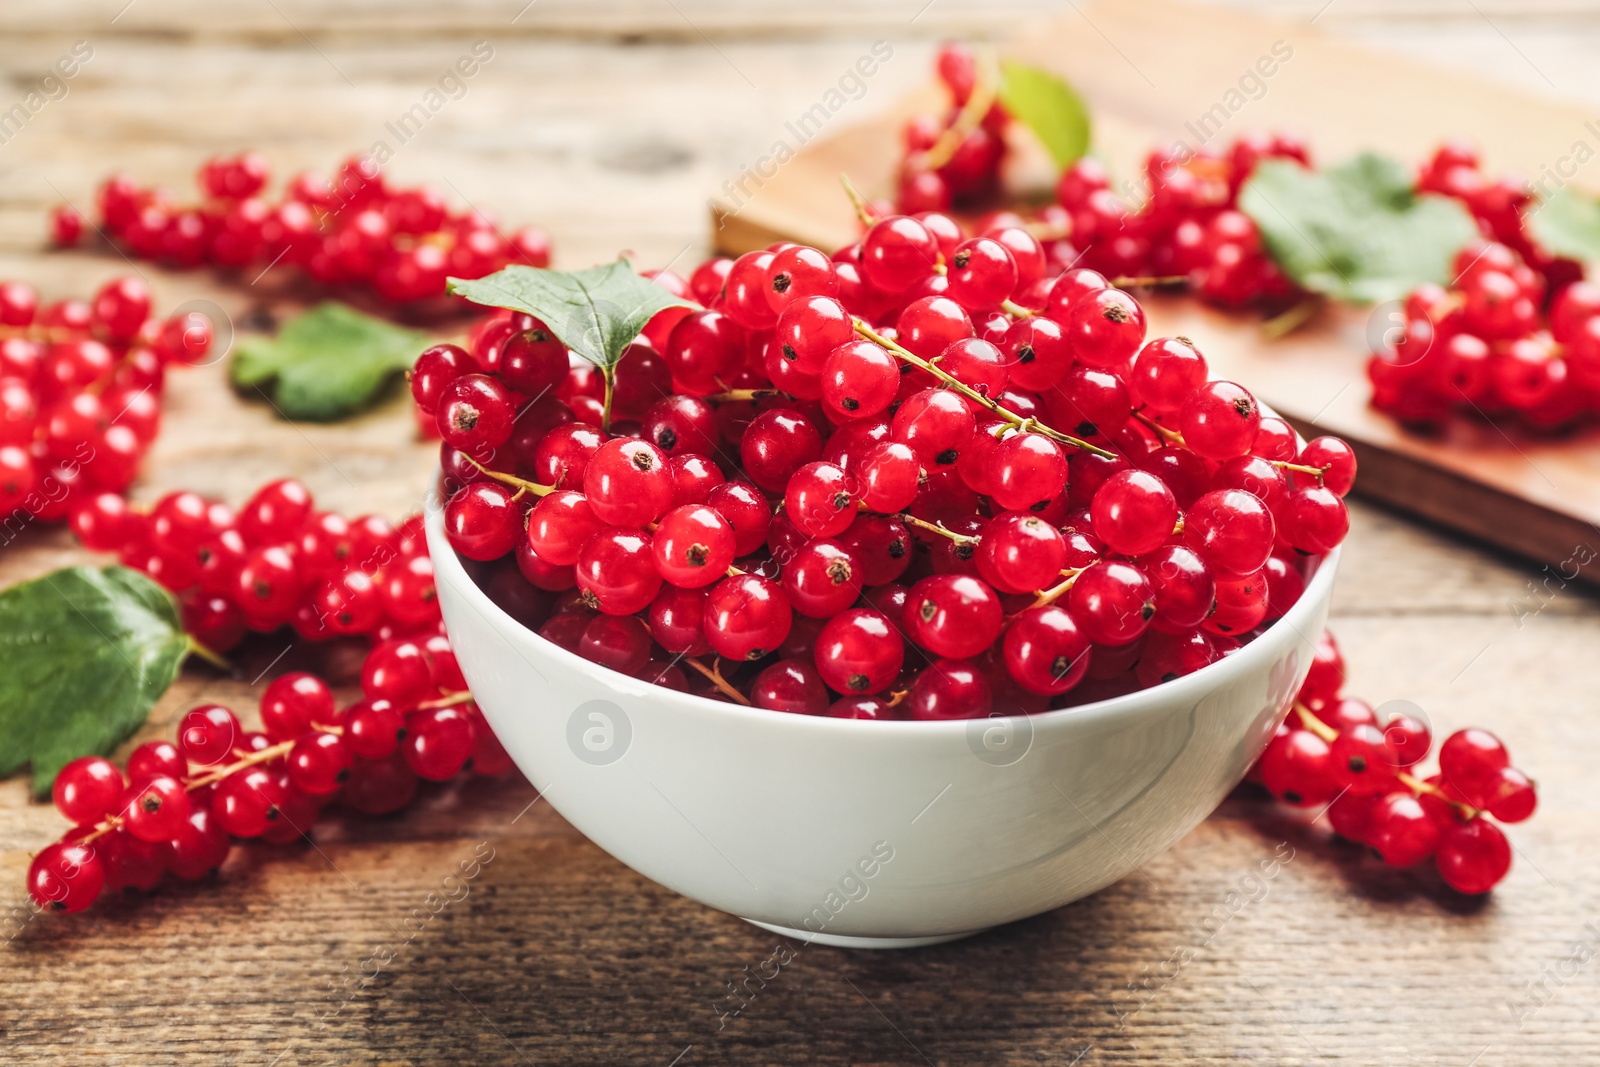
979 101
1056 592
1016 310
936 528
1126 280
863 212
715 675
1302 468
209 656
610 376
511 479
976 397
271 752
1417 785
39 333
1286 322
1309 720
1169 436
735 395
449 700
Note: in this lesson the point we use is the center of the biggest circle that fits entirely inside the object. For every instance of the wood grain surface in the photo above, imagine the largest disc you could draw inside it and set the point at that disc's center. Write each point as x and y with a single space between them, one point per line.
612 124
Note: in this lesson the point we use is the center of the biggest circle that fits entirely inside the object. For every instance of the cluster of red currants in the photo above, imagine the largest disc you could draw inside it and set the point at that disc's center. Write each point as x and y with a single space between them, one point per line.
350 231
1188 226
276 561
80 392
844 476
1487 347
176 807
954 159
1333 751
1500 207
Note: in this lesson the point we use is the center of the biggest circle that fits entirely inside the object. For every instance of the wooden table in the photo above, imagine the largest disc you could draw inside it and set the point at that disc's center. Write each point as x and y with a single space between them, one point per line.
611 123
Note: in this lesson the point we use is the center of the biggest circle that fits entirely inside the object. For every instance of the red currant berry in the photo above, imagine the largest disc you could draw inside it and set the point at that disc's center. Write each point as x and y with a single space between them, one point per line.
859 651
1105 328
1168 371
820 499
1112 602
398 671
154 758
982 275
682 425
438 743
245 804
475 414
931 324
293 702
1232 530
616 568
896 253
746 617
1038 353
790 685
532 362
1183 587
629 483
799 271
1028 471
746 510
1019 552
558 526
1315 519
436 368
953 616
1401 830
86 789
1473 856
775 445
888 476
483 521
1471 761
66 877
1513 796
373 728
120 307
1045 650
809 329
155 809
381 786
950 689
1134 512
1220 420
677 620
859 379
1297 768
693 546
937 424
207 734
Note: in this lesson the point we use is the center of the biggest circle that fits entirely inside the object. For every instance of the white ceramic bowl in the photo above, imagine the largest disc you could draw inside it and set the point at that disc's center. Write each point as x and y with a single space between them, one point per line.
872 834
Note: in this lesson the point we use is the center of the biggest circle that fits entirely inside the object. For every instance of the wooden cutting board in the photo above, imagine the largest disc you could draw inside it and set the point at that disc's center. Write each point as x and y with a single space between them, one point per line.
1536 495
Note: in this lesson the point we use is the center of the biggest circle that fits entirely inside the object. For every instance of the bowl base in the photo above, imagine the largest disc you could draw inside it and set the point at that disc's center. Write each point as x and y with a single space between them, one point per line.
846 941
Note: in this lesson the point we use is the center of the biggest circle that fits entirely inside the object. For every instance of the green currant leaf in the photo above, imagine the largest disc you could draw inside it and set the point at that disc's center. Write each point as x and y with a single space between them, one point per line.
1567 223
87 653
1049 107
596 312
327 364
1356 232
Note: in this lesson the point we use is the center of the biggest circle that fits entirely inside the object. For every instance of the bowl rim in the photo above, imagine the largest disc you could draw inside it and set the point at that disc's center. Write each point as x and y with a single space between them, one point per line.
1190 688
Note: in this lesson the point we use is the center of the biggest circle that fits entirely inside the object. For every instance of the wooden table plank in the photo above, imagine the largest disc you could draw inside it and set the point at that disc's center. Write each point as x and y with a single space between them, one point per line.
612 132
